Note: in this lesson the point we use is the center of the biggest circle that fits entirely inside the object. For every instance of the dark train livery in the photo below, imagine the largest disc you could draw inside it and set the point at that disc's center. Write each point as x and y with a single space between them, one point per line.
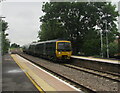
53 49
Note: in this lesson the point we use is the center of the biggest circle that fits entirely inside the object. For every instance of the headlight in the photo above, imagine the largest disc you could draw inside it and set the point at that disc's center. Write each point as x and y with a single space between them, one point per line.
69 53
59 52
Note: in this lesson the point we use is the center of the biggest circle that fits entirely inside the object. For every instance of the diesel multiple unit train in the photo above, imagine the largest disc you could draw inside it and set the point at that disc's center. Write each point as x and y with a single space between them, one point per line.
53 49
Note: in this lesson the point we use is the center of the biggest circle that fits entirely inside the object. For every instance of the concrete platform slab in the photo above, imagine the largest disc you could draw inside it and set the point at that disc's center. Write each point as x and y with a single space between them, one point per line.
45 80
97 59
14 79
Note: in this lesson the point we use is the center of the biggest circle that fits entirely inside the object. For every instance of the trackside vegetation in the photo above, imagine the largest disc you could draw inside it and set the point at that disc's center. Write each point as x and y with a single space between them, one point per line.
82 23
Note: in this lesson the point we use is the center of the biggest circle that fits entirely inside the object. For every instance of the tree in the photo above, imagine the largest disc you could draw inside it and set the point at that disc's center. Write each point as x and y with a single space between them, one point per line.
5 41
78 20
51 30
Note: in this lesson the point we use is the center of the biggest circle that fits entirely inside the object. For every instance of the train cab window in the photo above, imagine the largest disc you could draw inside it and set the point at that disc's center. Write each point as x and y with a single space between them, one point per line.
64 46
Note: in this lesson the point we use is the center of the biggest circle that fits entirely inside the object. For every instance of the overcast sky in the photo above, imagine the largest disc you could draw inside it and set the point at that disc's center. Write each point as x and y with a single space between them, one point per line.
23 19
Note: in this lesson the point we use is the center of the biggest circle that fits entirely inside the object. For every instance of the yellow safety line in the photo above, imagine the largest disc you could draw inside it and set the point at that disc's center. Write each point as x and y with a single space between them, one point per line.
34 83
43 84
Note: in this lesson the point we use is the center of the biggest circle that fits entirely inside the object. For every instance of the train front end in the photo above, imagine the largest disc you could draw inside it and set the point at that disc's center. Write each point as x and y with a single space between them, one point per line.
63 50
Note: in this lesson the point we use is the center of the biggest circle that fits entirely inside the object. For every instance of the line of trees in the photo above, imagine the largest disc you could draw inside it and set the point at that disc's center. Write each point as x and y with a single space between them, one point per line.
81 23
14 45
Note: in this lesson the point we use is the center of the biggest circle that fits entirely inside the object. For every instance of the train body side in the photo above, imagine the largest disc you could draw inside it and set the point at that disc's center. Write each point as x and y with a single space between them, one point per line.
51 49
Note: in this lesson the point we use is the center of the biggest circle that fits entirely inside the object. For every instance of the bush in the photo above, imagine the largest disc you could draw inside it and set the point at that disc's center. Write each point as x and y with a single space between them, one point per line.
113 49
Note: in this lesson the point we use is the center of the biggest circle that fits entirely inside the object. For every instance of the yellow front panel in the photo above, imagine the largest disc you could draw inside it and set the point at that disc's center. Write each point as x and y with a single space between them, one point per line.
59 54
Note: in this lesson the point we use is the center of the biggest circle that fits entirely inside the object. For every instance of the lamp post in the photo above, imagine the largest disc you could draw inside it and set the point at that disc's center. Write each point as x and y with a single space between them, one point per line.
1 33
118 42
107 40
101 40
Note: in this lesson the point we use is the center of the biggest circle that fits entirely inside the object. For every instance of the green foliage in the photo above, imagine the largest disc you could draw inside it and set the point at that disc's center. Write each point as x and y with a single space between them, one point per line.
77 21
6 45
113 49
14 45
51 30
91 47
5 42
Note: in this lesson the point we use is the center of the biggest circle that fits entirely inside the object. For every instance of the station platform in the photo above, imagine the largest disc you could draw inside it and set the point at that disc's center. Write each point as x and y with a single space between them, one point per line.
20 74
97 59
14 79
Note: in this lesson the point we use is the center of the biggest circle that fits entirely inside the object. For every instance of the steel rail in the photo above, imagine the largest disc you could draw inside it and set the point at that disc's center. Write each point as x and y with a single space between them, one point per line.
94 72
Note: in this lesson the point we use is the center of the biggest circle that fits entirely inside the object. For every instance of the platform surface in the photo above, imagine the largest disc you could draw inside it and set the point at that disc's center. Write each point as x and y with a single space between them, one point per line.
45 80
14 79
97 59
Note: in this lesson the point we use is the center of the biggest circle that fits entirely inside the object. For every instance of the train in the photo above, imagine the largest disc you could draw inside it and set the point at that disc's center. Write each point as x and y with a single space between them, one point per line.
52 49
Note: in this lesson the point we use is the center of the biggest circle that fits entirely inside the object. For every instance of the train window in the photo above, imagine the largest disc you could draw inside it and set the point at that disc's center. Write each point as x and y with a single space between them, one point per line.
64 46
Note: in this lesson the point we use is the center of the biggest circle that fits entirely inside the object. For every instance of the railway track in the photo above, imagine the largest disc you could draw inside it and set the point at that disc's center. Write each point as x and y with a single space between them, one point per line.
64 78
114 77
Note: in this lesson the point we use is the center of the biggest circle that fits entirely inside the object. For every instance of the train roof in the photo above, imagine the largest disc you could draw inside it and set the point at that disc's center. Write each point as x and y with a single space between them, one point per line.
27 45
47 41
